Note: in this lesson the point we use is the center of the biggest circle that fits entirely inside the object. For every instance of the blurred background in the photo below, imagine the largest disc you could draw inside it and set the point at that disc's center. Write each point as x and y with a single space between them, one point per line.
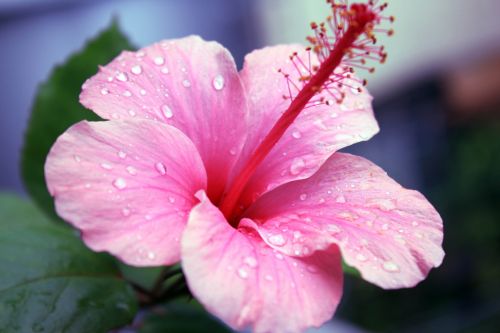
437 101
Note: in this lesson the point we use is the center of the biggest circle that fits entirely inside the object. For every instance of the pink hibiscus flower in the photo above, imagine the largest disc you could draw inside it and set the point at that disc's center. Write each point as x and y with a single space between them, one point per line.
209 166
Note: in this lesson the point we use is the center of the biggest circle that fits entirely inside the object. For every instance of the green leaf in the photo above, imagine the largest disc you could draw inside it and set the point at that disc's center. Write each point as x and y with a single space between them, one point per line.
50 282
181 317
349 270
56 107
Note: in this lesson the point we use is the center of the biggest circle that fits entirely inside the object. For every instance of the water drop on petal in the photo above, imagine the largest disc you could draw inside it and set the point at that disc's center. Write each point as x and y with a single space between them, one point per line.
137 69
312 269
167 111
160 167
361 257
340 199
390 266
251 262
296 134
106 166
218 82
131 170
121 76
242 273
186 83
297 166
277 240
159 61
120 183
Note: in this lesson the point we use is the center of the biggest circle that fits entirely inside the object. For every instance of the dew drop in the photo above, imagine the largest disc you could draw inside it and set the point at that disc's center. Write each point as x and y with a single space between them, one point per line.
186 83
303 197
120 183
122 154
250 261
104 91
164 70
277 240
106 166
137 69
159 61
171 200
132 113
296 134
131 170
400 239
361 257
218 82
385 226
297 166
242 273
127 93
232 151
390 266
279 256
414 223
142 92
385 205
312 269
167 111
125 212
121 76
340 199
160 167
77 158
268 277
332 228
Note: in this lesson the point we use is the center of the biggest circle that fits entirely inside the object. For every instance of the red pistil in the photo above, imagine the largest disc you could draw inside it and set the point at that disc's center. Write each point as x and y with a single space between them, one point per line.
360 19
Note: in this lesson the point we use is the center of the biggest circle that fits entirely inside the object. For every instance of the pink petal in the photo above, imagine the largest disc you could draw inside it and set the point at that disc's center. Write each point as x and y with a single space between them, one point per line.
392 235
187 83
240 279
127 185
317 133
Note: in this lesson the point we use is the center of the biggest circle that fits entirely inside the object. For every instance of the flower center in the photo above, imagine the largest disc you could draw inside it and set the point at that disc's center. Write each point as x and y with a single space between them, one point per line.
348 23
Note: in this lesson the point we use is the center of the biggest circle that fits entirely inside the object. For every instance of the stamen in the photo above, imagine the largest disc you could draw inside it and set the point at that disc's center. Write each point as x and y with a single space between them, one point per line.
347 37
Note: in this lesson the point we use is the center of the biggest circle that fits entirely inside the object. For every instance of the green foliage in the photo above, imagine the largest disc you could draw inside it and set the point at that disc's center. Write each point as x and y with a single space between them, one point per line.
56 107
50 282
181 317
